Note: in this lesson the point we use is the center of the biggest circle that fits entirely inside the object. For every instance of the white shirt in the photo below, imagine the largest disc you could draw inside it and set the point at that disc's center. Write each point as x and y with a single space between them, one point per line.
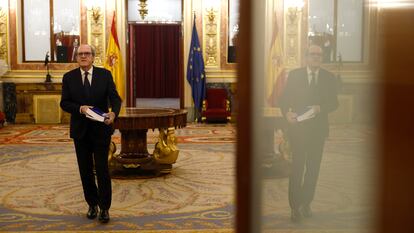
310 75
90 71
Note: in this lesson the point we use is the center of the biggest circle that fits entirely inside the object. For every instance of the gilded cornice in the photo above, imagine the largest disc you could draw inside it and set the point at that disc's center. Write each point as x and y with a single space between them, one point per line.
219 75
29 76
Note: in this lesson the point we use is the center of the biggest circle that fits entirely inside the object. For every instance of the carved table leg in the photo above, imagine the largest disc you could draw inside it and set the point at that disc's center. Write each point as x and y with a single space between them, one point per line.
134 148
166 151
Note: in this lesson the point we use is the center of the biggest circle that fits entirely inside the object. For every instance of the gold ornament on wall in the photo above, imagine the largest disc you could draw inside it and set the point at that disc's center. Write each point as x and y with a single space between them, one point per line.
211 38
143 11
96 35
293 16
96 13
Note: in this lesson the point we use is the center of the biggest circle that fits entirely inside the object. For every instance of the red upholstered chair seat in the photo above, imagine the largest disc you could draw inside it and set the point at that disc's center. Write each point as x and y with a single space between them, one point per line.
216 106
2 119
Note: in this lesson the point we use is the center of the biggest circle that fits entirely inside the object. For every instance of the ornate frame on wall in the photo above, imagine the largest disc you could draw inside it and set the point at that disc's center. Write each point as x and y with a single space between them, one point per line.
88 34
3 35
224 42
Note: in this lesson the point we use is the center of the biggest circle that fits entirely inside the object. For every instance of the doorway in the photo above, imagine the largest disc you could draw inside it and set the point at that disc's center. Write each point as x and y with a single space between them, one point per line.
156 65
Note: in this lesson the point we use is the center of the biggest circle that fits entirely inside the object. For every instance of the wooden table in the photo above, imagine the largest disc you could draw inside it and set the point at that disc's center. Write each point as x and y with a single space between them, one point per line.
133 123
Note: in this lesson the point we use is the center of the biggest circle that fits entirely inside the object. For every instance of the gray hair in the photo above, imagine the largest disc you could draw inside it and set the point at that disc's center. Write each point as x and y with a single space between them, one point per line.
93 50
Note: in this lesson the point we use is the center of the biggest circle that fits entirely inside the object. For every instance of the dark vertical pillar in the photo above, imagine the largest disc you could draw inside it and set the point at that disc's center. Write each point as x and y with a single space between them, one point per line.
396 144
244 121
10 101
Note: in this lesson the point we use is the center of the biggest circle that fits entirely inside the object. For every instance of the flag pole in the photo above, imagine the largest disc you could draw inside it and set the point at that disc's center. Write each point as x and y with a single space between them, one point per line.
196 71
196 114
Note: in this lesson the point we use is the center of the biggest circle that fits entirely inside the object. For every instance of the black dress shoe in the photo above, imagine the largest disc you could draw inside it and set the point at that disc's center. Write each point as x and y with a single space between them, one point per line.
306 211
92 212
295 215
104 216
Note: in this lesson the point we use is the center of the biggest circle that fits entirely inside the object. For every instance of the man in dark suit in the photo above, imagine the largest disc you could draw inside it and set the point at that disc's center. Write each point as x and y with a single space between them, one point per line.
314 88
82 88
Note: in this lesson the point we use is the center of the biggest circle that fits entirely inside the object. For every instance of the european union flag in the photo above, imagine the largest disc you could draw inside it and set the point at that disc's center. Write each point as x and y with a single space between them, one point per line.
196 75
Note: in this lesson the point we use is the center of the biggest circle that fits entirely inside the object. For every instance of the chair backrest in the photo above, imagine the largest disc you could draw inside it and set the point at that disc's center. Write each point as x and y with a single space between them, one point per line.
216 97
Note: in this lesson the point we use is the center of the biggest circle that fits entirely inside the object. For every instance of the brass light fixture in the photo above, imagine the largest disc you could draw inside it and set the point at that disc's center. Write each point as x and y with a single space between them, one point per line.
94 7
294 9
96 13
143 11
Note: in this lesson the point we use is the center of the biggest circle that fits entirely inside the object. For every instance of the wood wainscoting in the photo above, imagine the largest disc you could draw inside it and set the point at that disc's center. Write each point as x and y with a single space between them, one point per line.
37 101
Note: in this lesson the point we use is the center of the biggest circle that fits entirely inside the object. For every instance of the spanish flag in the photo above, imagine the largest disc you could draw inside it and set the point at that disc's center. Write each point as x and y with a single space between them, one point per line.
114 62
276 74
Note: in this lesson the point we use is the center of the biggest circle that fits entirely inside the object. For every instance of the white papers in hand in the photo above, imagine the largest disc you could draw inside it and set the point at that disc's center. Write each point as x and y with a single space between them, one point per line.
95 114
308 114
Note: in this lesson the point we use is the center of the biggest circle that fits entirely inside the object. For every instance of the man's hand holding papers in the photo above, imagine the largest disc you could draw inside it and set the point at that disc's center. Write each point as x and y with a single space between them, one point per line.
95 114
308 113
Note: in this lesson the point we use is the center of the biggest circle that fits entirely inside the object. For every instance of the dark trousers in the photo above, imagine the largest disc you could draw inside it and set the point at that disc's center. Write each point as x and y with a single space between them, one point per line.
90 152
307 152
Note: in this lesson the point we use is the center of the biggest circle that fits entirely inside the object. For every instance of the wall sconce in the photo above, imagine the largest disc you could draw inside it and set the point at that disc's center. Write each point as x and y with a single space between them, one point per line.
96 13
94 7
294 8
143 11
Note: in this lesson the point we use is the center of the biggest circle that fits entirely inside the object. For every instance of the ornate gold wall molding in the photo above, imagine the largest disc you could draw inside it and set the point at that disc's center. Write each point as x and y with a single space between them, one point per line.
143 10
3 35
96 35
292 39
211 35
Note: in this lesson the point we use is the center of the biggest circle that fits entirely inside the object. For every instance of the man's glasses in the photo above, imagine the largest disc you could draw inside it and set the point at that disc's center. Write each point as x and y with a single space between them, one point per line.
86 54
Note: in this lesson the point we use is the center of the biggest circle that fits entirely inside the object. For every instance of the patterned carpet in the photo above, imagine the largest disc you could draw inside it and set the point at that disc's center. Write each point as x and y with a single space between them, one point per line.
40 189
345 195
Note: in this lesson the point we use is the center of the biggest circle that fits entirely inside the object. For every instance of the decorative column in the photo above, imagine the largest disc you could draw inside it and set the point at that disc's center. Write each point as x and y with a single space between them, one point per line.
96 33
211 47
293 27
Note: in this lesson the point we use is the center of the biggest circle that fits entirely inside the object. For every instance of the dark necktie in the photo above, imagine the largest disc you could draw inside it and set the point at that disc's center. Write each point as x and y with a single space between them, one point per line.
313 80
87 85
313 90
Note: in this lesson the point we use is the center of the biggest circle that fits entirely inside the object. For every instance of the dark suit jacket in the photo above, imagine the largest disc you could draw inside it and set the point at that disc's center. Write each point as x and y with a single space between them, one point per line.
297 96
103 96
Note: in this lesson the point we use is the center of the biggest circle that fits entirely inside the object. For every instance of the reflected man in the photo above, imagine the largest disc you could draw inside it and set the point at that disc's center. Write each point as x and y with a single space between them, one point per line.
315 89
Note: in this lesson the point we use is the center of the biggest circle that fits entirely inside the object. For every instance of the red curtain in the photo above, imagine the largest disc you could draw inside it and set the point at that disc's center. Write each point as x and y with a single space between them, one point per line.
155 58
